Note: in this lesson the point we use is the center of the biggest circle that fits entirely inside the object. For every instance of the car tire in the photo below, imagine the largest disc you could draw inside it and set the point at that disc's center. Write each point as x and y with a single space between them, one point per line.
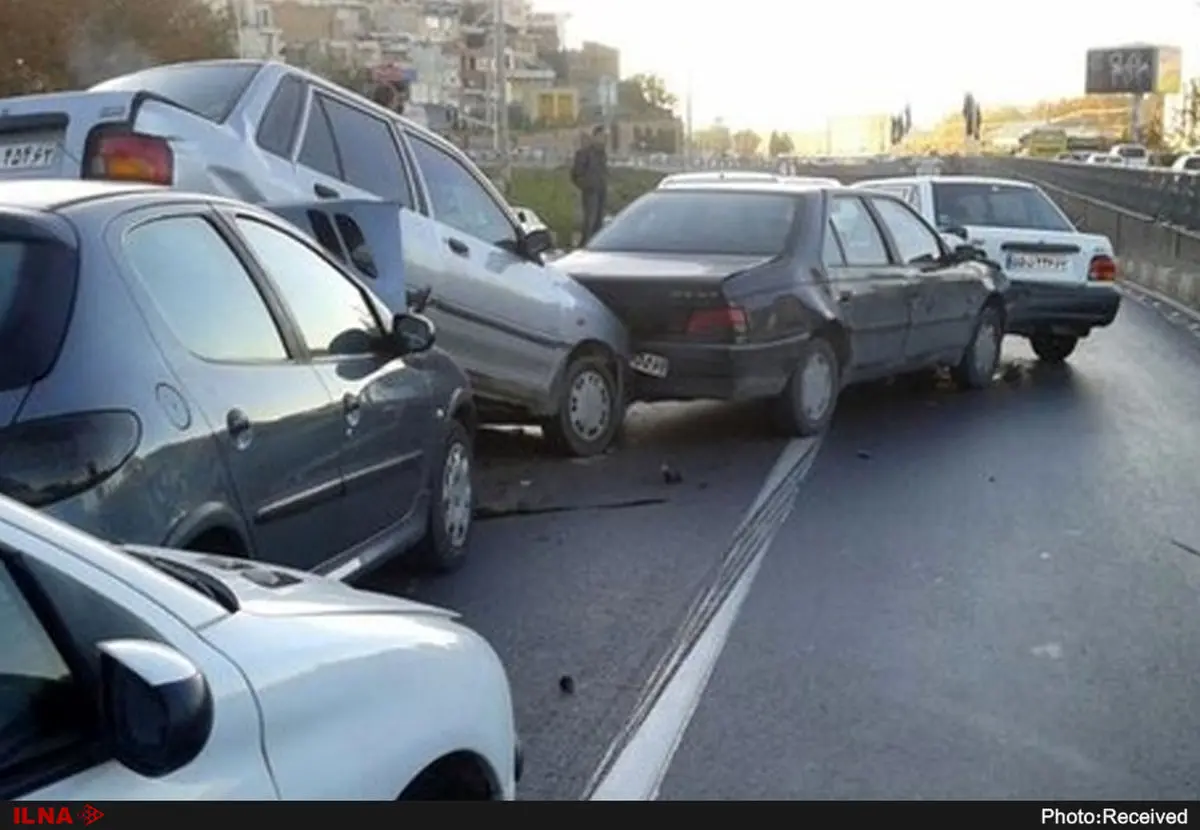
443 548
1053 348
808 400
982 356
590 410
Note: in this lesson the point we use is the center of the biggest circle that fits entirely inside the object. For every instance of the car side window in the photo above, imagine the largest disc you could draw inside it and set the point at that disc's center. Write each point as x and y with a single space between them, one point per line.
331 312
203 291
831 251
459 200
369 153
319 151
277 130
861 240
914 241
42 705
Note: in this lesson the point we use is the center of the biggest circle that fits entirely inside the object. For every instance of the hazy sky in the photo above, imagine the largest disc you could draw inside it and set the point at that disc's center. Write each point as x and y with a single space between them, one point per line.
791 63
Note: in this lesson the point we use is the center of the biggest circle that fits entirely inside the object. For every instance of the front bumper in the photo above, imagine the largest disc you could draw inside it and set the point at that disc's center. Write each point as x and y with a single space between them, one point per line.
732 372
1061 309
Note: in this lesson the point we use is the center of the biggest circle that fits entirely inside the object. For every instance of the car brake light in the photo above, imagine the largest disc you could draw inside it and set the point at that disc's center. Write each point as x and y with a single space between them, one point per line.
1102 269
131 157
48 460
728 319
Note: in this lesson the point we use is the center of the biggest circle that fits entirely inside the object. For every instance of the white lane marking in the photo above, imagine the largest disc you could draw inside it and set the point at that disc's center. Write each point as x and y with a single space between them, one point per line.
639 769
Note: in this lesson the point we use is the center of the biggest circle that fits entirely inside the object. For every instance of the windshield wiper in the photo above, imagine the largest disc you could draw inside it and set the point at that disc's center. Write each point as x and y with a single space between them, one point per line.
195 579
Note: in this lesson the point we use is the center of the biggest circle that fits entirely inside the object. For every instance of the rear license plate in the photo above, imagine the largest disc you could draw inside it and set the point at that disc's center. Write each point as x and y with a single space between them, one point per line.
32 155
1037 262
654 365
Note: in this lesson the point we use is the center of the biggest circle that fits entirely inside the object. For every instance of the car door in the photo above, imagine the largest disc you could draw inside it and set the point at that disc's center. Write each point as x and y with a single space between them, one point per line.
386 405
506 310
871 290
56 607
947 295
278 430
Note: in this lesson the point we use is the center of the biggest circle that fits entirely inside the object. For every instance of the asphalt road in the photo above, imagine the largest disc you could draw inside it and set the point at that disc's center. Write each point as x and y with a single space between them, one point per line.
977 595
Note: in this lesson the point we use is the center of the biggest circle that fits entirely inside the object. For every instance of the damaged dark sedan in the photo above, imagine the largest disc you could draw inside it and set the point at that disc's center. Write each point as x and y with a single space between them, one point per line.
789 291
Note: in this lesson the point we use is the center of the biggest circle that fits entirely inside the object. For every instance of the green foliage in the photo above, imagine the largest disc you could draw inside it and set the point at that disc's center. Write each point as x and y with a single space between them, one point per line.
780 144
645 95
550 194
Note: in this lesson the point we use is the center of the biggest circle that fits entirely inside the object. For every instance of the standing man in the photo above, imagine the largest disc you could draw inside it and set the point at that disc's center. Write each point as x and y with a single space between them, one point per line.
394 96
589 174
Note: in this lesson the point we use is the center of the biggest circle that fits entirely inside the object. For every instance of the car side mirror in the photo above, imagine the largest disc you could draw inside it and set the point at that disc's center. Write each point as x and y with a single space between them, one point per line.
538 241
412 333
966 253
157 706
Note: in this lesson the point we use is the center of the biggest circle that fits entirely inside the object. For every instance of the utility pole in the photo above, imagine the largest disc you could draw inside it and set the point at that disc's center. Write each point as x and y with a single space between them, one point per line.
689 127
502 142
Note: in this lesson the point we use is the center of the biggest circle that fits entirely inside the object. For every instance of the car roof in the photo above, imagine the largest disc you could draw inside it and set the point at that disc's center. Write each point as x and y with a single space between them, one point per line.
938 179
54 194
754 186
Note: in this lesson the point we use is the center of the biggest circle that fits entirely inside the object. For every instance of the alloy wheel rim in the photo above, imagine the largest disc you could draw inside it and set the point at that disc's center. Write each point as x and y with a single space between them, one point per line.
816 386
457 495
588 405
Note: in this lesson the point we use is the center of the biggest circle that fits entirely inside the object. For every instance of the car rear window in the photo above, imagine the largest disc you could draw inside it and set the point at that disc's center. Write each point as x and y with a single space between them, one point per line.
209 90
701 222
959 204
37 288
1131 152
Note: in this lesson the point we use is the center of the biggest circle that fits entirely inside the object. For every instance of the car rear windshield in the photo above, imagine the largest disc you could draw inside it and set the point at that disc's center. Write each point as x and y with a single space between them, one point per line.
37 288
1131 152
209 90
701 222
960 204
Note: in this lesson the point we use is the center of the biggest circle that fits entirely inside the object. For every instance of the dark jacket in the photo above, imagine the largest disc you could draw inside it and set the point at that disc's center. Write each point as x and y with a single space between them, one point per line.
590 169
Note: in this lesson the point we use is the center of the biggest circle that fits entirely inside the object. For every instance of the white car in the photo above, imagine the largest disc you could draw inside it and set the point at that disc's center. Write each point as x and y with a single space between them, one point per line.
1130 155
1187 163
740 176
150 674
1062 278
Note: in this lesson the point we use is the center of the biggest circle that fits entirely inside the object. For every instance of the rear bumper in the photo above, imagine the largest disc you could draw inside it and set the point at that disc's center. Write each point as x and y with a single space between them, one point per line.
718 371
1075 309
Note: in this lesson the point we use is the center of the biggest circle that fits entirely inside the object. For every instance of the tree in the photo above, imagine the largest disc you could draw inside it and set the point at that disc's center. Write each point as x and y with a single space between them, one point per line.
780 144
646 95
1187 127
49 45
746 143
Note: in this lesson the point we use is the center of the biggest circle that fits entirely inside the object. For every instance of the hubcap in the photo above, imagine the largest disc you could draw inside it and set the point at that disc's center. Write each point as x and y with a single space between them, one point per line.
456 495
987 349
589 405
816 386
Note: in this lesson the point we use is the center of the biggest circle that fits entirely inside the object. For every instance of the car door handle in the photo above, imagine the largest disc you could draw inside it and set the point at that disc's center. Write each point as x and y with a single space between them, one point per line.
240 428
326 192
458 246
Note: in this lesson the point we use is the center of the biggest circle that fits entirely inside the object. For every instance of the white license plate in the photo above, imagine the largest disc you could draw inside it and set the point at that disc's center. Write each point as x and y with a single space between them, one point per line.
32 155
1038 262
654 365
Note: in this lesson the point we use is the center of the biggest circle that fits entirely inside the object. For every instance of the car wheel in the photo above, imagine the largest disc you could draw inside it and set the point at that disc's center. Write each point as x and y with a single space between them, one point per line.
590 409
452 505
1053 348
982 357
807 403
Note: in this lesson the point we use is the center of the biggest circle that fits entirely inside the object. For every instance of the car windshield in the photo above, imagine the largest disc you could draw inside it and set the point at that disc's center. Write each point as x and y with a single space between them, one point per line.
210 90
702 222
995 205
37 284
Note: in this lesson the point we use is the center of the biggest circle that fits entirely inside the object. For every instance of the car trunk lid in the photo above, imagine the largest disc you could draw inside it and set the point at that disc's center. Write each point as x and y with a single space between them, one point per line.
46 136
1061 257
664 296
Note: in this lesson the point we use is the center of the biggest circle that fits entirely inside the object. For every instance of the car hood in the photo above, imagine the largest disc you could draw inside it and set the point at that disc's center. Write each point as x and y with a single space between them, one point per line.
264 589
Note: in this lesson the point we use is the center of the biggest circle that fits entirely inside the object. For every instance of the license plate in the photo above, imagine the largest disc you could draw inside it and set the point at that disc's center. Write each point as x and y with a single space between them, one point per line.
654 365
1037 262
33 155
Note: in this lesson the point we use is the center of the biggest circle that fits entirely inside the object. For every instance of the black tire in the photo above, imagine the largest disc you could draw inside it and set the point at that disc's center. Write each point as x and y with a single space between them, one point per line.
798 416
1053 348
443 548
565 433
982 356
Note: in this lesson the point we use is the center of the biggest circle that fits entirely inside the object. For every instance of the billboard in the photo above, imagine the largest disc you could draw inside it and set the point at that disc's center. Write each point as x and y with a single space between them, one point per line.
1133 70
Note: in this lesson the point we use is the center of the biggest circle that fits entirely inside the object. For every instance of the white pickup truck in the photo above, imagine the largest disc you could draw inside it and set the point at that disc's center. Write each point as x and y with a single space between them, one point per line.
1062 278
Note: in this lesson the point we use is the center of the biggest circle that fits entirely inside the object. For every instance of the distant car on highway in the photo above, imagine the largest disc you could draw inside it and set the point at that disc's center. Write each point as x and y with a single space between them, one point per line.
783 291
147 674
1130 155
1104 158
1061 278
191 371
1186 163
702 177
537 346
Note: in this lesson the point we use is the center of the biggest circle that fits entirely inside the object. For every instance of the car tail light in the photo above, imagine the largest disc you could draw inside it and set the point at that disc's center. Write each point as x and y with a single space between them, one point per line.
130 157
710 321
48 460
1102 269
